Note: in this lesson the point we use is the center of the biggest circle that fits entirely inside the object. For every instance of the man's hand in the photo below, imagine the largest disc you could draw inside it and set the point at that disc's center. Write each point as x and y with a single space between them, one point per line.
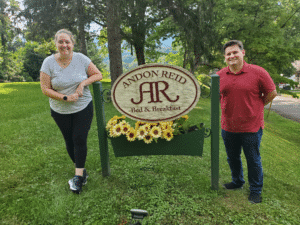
269 97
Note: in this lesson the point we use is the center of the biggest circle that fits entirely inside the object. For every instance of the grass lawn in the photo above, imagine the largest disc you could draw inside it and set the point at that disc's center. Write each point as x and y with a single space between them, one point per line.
285 95
35 169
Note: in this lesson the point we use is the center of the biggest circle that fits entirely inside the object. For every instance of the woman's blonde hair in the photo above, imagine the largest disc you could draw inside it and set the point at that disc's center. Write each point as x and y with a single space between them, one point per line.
65 31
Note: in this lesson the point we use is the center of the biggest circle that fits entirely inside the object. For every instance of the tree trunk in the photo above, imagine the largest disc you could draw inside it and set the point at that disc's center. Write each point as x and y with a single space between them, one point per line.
140 55
81 22
114 39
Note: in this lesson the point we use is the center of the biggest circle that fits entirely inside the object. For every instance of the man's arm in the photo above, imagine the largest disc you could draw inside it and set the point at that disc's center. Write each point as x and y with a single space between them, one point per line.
269 97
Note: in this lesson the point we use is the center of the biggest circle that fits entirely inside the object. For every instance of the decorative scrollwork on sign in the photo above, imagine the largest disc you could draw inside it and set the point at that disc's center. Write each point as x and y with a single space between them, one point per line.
207 132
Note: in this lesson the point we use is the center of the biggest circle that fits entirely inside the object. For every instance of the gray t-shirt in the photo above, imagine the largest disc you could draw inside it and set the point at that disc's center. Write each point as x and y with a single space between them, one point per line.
66 81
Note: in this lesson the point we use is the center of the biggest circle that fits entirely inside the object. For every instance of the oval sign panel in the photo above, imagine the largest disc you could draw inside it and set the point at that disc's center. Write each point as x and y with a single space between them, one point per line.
155 92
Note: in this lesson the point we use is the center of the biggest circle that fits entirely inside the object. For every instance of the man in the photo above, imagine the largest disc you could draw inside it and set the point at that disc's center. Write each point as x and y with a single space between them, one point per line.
244 91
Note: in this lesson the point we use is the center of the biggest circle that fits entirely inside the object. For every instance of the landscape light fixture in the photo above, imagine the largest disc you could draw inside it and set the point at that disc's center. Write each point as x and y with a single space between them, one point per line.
137 214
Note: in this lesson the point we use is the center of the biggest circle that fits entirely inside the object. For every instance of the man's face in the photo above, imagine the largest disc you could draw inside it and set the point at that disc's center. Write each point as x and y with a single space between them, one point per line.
234 56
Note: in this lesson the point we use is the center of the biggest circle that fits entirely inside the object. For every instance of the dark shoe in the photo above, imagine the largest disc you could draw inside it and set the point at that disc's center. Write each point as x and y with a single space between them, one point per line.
85 176
76 184
255 198
232 186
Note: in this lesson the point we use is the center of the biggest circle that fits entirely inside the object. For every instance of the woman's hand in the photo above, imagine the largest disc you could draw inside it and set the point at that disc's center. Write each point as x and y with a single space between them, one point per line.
79 89
72 98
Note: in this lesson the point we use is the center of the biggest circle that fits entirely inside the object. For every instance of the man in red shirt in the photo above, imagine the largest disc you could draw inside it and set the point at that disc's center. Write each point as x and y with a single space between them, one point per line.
244 91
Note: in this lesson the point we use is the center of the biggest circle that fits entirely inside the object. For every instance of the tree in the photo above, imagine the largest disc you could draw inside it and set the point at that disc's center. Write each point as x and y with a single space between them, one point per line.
46 17
268 30
114 39
196 33
139 19
8 9
95 55
34 55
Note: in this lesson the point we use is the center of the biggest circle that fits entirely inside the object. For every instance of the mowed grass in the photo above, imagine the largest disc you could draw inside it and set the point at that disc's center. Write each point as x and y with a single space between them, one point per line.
35 169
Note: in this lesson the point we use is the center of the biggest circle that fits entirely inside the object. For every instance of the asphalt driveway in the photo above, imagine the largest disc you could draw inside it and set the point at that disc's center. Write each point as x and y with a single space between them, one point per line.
287 107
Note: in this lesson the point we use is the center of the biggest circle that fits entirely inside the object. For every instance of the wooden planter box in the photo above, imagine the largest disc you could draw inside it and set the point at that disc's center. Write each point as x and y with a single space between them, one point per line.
184 144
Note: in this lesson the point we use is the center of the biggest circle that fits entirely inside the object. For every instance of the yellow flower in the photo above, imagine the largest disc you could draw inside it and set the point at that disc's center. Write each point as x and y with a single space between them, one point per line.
148 138
153 124
185 117
123 122
168 135
141 132
131 134
138 124
110 124
163 124
117 130
166 126
118 117
170 128
147 127
111 132
125 128
115 118
170 123
155 132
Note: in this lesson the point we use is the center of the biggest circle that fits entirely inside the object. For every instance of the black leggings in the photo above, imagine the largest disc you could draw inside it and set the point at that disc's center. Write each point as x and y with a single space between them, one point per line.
75 128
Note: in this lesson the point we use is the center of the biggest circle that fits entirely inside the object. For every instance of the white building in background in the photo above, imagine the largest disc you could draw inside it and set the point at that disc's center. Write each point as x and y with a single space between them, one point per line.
295 77
296 64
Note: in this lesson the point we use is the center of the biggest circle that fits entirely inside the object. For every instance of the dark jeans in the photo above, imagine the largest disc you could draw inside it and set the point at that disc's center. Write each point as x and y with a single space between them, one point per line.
250 142
75 128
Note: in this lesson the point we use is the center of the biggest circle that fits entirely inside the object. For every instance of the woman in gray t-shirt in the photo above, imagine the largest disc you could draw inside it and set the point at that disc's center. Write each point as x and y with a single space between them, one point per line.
65 77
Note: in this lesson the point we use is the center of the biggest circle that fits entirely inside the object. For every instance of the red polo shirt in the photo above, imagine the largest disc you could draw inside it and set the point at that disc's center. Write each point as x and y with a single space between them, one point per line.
241 98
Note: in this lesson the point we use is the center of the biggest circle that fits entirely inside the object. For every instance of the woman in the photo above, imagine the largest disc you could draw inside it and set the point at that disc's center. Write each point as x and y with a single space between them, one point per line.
65 77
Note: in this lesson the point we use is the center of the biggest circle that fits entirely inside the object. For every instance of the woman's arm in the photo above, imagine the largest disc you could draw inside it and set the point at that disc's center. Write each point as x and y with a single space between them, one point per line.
48 91
94 75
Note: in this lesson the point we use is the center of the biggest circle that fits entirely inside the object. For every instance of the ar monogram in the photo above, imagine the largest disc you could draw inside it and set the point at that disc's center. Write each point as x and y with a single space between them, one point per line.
154 92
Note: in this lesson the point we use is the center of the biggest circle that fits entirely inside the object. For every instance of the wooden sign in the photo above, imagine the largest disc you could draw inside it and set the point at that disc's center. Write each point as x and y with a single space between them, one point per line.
155 92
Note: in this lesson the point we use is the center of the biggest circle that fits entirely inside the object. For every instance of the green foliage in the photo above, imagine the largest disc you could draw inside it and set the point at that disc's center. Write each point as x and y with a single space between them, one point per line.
102 42
96 56
263 32
196 31
15 66
45 17
205 83
45 48
204 79
8 11
173 58
33 58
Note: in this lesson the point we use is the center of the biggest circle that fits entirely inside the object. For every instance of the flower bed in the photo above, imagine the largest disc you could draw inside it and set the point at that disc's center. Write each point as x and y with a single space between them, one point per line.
163 138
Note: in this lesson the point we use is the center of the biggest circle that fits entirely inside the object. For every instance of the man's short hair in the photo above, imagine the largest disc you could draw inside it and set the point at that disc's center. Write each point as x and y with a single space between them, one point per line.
233 42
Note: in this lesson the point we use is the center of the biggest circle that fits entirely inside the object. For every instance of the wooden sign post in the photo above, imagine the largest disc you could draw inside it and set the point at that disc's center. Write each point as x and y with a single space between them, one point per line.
153 93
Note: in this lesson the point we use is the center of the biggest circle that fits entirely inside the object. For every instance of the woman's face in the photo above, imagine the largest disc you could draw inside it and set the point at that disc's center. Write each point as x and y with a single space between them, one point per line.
64 44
